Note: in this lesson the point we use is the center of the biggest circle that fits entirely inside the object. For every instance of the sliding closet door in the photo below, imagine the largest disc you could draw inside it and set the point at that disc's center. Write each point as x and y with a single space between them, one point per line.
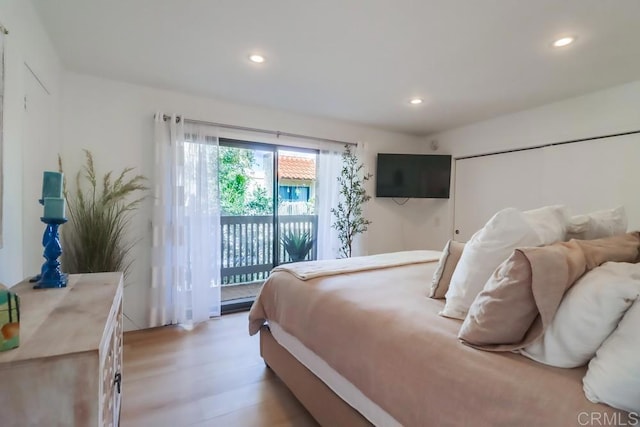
484 185
584 176
594 175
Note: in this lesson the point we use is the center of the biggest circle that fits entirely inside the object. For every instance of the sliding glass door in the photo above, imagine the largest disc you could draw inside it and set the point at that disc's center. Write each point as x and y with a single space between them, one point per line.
296 199
268 213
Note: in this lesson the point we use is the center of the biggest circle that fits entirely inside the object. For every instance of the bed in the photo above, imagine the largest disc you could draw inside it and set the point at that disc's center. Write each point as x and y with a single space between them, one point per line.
368 347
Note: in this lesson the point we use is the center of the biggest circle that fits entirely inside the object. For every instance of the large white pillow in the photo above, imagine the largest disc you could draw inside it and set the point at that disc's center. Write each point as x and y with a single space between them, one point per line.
613 376
588 314
596 225
491 245
550 222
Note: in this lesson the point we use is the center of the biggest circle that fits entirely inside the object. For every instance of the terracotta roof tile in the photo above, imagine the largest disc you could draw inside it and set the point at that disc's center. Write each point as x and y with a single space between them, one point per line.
293 167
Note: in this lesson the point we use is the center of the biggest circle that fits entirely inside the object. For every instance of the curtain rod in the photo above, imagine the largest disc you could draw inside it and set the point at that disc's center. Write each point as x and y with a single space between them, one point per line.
278 134
552 144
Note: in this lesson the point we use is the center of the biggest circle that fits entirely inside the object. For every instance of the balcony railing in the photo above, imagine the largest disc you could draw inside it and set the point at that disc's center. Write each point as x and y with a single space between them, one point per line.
248 249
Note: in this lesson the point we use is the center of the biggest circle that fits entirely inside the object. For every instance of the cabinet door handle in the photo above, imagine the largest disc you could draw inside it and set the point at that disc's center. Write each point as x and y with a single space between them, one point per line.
118 380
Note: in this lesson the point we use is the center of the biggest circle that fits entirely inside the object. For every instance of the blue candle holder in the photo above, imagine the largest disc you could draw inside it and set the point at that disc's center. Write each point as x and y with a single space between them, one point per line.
50 274
45 241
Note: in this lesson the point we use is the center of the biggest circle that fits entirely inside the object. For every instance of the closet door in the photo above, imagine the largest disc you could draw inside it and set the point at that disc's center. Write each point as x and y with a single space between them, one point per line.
485 185
594 175
585 176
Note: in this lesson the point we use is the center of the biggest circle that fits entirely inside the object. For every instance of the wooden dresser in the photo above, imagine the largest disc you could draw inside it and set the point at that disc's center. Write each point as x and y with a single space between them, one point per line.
68 367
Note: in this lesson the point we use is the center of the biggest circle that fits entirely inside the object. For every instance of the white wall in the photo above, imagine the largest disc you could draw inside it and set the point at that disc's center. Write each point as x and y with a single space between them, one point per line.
610 111
114 121
27 45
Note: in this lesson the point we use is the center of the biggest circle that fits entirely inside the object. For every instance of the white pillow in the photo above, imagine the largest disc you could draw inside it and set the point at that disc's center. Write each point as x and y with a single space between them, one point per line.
588 314
486 249
613 376
598 224
490 246
550 222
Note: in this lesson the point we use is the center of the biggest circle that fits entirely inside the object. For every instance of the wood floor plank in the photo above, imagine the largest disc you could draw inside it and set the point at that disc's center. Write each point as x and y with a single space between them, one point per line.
211 376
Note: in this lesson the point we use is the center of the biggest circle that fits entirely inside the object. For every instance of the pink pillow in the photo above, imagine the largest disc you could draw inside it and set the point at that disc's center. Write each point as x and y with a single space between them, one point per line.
521 298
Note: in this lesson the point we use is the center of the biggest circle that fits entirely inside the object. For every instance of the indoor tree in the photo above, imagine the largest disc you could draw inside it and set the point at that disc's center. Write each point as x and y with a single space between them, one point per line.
349 219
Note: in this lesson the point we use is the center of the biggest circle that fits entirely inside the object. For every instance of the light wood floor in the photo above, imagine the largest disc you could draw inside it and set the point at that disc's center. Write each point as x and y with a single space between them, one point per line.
211 376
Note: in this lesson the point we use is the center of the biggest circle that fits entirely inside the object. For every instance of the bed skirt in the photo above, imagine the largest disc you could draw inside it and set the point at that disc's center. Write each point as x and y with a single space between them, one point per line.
322 403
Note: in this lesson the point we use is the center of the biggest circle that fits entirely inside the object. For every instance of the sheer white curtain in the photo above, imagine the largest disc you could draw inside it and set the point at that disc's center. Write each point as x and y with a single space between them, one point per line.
202 212
329 167
185 285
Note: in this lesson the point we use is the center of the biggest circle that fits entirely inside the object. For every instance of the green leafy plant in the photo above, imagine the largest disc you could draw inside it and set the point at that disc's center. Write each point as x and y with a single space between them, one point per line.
96 239
234 175
297 245
349 218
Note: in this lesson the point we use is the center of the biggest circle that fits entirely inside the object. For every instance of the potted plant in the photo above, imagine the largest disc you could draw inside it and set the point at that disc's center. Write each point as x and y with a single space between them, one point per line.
348 216
297 245
96 239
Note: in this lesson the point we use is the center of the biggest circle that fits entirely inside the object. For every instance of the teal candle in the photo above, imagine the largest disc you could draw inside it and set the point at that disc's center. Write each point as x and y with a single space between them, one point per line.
52 184
54 207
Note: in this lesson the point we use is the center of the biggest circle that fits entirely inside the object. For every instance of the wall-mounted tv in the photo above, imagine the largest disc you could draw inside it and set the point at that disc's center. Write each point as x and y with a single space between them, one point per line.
413 176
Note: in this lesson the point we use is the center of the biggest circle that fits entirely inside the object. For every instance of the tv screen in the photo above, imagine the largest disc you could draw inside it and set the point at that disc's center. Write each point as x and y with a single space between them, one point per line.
413 176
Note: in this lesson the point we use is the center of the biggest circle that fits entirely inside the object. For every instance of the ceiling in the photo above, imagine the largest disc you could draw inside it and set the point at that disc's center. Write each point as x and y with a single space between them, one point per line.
356 60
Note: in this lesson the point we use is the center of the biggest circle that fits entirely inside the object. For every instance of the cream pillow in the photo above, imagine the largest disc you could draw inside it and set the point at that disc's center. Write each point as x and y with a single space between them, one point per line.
613 376
598 224
442 277
490 246
587 315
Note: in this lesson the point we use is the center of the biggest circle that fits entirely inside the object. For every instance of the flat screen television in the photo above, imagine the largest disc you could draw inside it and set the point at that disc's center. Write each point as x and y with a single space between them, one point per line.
413 176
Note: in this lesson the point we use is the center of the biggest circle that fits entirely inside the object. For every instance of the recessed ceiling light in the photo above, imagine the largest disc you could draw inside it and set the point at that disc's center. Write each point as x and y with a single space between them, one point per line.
564 41
258 59
416 101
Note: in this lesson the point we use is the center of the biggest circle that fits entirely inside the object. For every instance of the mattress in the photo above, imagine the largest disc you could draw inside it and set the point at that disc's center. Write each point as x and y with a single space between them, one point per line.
380 332
336 382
